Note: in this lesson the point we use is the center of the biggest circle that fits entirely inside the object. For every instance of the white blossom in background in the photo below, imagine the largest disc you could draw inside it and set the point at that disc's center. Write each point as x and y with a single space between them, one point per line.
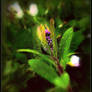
74 61
33 10
17 9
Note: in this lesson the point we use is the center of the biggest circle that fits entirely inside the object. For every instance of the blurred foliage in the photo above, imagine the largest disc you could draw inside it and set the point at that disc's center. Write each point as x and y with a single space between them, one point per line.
21 34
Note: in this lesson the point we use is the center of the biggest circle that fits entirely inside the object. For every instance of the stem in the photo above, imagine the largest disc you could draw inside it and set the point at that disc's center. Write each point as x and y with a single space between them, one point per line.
59 67
60 71
69 89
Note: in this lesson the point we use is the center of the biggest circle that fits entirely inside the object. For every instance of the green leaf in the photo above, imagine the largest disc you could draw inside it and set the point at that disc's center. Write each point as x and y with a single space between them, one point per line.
62 81
77 39
45 57
84 23
43 69
65 45
53 36
29 50
49 73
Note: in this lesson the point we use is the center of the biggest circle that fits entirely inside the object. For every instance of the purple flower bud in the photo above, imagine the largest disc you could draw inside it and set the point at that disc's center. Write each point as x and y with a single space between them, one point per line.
49 43
47 37
46 31
49 40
